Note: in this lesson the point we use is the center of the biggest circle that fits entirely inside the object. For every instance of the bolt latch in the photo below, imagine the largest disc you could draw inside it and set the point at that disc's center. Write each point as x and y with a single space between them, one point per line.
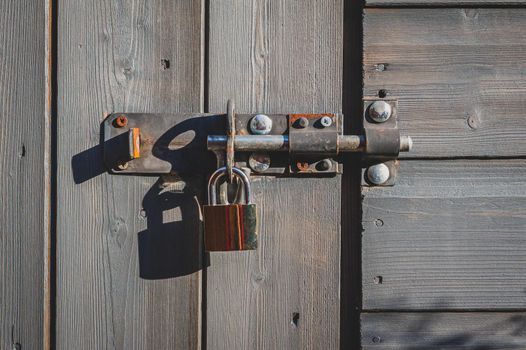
268 144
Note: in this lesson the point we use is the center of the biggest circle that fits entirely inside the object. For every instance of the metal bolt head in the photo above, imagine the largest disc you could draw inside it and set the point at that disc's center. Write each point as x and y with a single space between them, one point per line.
324 165
259 162
260 124
121 121
303 122
380 111
378 174
326 121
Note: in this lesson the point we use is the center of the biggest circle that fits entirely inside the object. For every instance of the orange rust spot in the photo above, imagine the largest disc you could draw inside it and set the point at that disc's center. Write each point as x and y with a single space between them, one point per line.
121 121
294 117
302 166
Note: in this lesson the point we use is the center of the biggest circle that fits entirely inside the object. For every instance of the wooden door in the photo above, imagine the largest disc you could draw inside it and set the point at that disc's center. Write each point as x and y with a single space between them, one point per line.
443 251
91 260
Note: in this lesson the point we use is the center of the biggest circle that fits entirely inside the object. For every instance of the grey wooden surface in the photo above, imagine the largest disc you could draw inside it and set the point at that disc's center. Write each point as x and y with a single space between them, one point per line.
279 56
445 3
458 74
443 331
113 229
22 230
449 235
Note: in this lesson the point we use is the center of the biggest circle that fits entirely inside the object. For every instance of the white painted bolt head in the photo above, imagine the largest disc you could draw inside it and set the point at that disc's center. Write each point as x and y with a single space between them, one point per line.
326 121
380 111
378 174
259 162
260 124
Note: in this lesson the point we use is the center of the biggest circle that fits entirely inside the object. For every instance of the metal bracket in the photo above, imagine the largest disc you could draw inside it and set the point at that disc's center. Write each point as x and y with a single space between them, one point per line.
278 144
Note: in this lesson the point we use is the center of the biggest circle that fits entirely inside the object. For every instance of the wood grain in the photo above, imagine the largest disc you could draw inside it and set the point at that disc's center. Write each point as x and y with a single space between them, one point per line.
459 75
443 331
448 235
124 56
22 96
279 56
455 3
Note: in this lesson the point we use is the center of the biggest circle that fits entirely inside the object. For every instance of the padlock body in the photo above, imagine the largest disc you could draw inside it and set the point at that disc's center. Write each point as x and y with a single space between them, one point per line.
230 227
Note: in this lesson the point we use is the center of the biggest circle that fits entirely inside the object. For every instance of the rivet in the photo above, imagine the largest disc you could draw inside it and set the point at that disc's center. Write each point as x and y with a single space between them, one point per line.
259 162
121 121
377 340
326 121
324 165
378 222
303 122
378 174
380 111
260 124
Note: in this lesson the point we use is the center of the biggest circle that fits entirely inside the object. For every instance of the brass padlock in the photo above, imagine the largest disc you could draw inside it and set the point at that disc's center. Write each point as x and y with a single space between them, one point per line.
228 226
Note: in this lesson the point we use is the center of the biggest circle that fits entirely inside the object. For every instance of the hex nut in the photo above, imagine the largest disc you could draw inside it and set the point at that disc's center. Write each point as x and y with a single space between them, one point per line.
303 122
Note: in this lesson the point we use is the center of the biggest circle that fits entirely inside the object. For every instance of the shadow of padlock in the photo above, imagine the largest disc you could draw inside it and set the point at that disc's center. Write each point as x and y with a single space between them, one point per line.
230 227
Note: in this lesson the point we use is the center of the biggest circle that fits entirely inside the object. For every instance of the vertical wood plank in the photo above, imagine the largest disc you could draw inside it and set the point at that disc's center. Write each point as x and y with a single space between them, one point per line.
22 106
123 56
279 56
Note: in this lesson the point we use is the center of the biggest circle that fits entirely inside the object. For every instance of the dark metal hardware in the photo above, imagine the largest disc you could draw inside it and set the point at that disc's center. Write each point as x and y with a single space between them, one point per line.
286 143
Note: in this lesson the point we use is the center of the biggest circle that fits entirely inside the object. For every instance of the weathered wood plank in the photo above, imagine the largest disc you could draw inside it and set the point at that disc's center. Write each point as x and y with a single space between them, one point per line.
457 3
443 331
459 75
279 56
22 96
113 229
449 235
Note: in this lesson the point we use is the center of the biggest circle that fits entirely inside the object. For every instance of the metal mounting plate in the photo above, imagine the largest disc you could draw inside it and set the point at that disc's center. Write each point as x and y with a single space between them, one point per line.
177 144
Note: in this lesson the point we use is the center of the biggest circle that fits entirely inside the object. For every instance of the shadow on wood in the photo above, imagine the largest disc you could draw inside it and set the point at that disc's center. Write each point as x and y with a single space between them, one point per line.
175 248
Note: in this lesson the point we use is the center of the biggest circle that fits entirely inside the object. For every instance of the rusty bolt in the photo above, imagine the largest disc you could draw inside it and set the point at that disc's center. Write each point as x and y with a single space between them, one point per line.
380 111
324 165
302 166
303 122
326 121
378 174
121 121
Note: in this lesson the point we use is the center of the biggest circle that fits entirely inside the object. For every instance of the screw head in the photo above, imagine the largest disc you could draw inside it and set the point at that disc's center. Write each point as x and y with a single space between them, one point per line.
121 121
380 111
259 162
324 165
378 174
303 122
260 124
326 121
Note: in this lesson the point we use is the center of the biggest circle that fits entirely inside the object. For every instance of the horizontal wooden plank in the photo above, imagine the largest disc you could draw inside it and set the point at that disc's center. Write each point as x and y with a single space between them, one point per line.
459 75
445 3
448 235
443 331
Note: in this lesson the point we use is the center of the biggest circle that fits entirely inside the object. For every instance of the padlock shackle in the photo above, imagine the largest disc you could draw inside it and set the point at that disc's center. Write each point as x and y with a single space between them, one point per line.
212 199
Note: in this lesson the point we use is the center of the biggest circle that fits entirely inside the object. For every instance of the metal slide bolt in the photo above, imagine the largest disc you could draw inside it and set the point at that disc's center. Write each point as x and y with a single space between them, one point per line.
380 111
378 174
